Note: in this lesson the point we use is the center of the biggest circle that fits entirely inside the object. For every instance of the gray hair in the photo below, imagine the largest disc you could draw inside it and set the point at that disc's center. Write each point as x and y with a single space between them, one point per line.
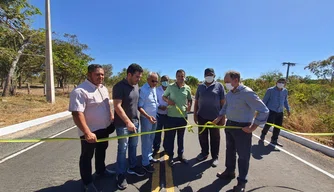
150 74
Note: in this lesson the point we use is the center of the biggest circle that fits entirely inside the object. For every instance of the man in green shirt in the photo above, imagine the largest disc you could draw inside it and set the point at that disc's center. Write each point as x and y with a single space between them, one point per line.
177 94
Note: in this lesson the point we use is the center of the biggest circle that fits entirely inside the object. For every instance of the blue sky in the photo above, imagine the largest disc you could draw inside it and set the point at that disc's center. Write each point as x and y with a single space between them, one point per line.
250 36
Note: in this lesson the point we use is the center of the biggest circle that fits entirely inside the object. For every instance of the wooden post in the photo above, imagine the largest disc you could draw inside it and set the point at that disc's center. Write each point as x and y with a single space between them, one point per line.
28 87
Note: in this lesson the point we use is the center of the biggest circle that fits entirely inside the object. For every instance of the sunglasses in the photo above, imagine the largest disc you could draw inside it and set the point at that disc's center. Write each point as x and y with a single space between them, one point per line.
154 81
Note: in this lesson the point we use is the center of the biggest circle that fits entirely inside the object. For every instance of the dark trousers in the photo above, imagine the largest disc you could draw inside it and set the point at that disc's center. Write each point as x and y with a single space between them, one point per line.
204 138
238 141
170 136
274 118
161 120
87 152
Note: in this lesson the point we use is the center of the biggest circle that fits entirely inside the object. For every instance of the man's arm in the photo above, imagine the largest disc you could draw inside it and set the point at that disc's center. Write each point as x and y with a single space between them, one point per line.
222 116
256 104
141 101
166 95
190 100
117 98
80 121
286 103
266 97
112 115
77 107
222 96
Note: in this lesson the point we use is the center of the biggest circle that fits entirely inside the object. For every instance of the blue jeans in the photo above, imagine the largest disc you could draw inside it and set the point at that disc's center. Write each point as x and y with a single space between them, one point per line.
162 120
147 140
123 144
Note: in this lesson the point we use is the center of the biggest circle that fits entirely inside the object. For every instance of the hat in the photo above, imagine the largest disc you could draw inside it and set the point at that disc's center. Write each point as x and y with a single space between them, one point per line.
208 71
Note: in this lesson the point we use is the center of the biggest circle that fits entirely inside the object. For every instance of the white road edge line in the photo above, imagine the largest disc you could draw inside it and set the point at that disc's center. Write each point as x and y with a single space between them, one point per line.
300 159
33 146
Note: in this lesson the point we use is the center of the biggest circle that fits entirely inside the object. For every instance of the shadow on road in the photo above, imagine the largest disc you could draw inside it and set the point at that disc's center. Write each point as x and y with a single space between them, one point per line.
105 183
259 150
194 171
217 185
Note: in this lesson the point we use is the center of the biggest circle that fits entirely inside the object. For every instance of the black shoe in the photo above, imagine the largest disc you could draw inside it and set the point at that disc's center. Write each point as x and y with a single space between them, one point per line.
274 142
182 159
226 175
262 137
121 182
171 162
154 160
137 171
239 188
149 168
201 157
106 173
90 188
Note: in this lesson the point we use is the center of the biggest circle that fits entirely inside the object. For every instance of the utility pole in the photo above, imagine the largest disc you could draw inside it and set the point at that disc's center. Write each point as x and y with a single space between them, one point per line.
288 69
50 87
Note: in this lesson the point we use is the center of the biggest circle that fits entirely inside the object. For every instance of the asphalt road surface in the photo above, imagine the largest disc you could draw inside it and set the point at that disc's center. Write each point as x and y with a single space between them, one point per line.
53 166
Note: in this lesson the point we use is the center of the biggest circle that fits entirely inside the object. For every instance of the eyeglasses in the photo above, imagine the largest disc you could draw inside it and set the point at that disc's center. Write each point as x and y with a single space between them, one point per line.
153 81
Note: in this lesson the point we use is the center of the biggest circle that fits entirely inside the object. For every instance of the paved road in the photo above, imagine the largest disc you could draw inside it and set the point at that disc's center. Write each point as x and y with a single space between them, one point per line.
53 166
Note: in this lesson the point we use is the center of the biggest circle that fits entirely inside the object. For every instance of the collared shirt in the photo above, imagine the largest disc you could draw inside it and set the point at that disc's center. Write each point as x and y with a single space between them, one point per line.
148 100
241 105
160 93
209 99
129 94
181 96
276 99
93 102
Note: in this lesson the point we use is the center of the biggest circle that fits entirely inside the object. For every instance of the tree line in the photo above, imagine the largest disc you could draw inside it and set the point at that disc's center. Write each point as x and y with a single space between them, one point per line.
22 51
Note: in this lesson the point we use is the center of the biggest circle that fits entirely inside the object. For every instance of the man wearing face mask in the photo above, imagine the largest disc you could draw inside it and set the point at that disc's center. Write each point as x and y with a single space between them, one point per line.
240 105
209 100
276 98
177 94
162 113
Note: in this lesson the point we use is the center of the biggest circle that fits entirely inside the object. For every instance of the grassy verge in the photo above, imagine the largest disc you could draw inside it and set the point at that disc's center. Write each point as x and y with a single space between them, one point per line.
22 108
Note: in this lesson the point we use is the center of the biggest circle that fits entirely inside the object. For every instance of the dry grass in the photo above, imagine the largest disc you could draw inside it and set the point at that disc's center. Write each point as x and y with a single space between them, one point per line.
24 107
307 121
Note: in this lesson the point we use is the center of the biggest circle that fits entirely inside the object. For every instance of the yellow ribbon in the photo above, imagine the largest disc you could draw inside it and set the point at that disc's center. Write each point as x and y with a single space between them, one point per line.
189 127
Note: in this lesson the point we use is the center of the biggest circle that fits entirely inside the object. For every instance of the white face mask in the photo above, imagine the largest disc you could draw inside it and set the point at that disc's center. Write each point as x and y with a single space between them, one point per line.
209 79
280 85
229 86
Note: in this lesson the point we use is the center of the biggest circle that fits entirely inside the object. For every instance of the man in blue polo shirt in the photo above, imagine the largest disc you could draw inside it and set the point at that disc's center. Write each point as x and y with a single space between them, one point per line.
276 98
209 100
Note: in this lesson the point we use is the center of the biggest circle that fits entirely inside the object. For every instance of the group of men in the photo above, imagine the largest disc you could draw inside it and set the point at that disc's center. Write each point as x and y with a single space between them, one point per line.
151 108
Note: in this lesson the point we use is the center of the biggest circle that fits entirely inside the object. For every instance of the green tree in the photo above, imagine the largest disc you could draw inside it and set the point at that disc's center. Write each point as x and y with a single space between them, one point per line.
323 69
15 17
192 81
70 61
122 74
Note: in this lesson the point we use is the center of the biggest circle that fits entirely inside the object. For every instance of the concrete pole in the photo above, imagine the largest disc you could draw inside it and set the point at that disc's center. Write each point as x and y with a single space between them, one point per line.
50 87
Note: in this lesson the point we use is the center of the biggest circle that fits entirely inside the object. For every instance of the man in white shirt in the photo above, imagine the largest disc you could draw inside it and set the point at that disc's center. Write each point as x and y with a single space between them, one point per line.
162 113
89 104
